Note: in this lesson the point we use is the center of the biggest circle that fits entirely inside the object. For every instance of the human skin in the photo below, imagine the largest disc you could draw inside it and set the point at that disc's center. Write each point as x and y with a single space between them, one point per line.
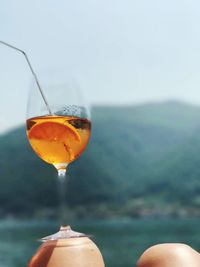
169 255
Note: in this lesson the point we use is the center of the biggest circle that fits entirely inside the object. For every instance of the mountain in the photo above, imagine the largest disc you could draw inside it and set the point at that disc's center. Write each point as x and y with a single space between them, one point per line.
141 160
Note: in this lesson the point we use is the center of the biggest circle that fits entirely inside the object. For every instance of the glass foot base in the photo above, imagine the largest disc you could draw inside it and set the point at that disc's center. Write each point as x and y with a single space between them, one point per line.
65 232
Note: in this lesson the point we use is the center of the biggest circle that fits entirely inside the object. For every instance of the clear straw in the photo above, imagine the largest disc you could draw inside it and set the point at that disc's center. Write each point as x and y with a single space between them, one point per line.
34 74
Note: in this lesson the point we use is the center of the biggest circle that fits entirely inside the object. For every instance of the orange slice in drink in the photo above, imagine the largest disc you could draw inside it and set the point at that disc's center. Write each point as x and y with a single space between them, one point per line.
53 131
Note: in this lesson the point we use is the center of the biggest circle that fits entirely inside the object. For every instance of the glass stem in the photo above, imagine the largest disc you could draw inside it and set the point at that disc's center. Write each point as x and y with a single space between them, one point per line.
62 179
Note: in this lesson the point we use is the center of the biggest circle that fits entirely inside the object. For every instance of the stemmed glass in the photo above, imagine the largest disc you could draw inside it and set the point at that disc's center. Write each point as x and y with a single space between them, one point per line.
58 126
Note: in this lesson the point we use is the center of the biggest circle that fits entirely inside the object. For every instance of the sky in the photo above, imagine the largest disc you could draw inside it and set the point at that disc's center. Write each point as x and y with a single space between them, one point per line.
120 52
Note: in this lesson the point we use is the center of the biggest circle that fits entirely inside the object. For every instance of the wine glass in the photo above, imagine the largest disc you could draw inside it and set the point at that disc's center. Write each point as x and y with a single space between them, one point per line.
58 124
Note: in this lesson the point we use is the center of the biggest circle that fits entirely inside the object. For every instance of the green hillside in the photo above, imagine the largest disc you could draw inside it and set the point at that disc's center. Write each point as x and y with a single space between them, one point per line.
142 161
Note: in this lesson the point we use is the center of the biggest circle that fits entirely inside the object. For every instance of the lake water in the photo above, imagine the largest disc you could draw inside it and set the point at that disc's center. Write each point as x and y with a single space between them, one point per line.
120 241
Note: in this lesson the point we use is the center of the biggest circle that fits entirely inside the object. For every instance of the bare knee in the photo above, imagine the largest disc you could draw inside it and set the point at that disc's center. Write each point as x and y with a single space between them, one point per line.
169 255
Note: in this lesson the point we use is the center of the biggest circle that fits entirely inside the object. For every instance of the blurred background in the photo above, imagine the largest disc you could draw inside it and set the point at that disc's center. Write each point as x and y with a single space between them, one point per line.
138 182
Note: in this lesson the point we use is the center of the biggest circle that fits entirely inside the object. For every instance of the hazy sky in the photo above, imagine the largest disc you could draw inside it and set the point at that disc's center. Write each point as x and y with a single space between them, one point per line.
120 51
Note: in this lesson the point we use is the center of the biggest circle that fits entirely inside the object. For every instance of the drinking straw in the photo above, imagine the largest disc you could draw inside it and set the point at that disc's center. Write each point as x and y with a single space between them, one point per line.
33 72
